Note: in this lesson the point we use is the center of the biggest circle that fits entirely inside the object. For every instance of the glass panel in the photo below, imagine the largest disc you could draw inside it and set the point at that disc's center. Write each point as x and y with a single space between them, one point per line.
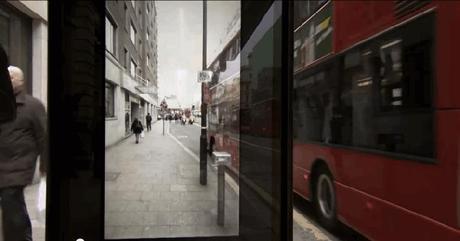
314 39
153 178
110 36
5 30
260 149
24 140
304 9
132 34
126 58
383 88
133 68
109 100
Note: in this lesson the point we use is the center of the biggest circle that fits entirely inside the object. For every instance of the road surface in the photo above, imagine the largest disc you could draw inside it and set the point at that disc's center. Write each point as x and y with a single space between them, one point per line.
305 227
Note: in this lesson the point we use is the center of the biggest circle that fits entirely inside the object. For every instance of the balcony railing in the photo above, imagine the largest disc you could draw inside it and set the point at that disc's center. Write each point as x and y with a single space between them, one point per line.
141 80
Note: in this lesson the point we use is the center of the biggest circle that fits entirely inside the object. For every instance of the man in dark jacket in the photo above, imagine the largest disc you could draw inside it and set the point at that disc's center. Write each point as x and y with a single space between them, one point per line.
137 128
148 120
22 140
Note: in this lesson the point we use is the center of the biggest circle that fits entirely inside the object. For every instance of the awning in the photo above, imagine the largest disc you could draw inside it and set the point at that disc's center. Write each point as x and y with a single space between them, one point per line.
148 99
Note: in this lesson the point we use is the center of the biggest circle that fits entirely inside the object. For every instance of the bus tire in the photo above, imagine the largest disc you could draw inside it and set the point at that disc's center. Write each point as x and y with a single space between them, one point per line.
324 198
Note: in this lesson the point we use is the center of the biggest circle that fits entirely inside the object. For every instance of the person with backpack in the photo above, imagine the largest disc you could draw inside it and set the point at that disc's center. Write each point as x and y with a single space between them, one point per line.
148 120
137 129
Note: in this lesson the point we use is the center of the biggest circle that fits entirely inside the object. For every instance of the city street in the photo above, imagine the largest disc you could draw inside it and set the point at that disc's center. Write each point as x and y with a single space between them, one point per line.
304 228
153 190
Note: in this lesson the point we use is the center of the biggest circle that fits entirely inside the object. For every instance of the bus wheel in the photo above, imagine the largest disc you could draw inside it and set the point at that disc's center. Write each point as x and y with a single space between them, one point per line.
325 199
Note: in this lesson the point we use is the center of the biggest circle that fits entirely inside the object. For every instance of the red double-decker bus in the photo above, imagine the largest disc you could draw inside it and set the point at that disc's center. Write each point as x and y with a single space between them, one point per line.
224 106
376 115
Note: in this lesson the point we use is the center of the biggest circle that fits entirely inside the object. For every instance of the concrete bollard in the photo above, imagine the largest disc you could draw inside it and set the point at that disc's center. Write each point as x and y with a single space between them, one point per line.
220 160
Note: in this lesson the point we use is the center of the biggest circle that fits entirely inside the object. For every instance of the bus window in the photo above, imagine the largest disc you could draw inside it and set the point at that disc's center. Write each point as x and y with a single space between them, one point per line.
386 92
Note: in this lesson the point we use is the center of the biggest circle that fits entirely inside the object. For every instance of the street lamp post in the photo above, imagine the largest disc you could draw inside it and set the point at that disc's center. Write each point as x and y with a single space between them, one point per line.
203 136
164 107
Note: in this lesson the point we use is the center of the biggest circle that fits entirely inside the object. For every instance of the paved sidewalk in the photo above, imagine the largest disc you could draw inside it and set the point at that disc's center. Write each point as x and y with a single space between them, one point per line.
153 190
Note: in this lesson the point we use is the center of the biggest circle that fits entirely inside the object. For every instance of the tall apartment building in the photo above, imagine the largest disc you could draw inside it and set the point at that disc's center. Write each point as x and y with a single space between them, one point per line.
131 65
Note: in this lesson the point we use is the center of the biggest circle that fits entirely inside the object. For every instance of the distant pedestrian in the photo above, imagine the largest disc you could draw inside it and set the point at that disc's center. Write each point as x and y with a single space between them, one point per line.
212 142
137 128
148 119
22 140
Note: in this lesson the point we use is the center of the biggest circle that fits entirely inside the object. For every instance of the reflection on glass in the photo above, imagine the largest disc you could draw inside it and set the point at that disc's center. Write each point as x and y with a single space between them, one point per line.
260 121
23 141
353 103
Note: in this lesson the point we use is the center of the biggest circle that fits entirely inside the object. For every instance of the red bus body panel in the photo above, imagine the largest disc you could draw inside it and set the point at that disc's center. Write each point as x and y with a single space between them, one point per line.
382 197
372 17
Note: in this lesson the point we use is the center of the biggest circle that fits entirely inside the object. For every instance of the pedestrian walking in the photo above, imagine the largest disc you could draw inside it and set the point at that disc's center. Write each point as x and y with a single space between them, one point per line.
137 128
22 141
148 120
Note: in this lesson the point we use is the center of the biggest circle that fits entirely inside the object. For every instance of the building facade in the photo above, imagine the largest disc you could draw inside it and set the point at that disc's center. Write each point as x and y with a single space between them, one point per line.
24 35
131 65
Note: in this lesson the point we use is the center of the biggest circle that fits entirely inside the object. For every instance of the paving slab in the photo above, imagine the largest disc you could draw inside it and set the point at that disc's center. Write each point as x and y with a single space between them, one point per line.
154 192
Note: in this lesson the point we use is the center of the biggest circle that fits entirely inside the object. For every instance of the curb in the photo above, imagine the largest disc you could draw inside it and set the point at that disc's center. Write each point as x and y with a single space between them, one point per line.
230 182
119 141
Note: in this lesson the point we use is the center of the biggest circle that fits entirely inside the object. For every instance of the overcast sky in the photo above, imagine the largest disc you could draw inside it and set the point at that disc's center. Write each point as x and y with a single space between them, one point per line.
180 44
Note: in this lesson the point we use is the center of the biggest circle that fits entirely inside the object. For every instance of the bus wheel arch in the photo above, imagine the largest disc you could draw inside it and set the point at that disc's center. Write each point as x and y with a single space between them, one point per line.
323 194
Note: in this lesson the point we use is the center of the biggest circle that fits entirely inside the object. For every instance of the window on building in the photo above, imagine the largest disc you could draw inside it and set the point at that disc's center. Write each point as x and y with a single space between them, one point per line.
126 58
127 105
132 33
110 36
133 68
109 100
237 45
304 9
126 23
